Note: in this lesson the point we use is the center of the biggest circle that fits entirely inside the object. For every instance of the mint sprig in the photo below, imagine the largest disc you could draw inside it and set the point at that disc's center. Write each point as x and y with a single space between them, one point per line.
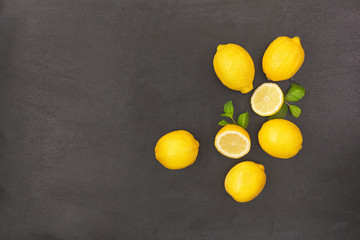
294 94
228 110
223 123
295 110
281 113
242 121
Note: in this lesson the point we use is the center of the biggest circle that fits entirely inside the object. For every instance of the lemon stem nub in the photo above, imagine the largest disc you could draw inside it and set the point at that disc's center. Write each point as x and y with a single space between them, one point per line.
219 47
297 39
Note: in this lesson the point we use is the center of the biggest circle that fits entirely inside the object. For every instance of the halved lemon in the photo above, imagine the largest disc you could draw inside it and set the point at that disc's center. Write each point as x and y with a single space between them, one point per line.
267 99
233 141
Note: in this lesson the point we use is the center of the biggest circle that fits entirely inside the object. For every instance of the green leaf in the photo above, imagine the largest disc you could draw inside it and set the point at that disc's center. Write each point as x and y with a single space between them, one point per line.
295 110
223 123
243 120
228 109
281 113
295 93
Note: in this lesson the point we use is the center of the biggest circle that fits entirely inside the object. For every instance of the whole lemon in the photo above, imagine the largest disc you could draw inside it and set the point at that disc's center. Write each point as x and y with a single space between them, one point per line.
177 149
280 138
234 67
245 181
283 58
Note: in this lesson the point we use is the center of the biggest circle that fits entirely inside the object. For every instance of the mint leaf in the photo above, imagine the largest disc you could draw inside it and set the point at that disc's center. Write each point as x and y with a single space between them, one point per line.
281 113
295 110
243 120
295 93
228 109
223 123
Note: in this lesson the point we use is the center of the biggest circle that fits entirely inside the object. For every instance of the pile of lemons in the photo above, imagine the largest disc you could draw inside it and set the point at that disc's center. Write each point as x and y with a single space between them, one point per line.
278 137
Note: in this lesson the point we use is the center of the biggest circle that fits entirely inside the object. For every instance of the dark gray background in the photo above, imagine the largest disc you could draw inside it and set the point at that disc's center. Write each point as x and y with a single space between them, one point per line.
87 88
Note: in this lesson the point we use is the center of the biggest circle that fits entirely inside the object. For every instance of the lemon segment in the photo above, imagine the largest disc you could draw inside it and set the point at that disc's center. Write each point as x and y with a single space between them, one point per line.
283 58
177 149
233 141
234 67
280 138
245 181
267 99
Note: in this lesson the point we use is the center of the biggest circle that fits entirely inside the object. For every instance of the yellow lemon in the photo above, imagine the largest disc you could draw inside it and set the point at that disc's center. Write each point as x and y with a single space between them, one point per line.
233 141
283 58
267 99
234 67
245 181
177 149
280 138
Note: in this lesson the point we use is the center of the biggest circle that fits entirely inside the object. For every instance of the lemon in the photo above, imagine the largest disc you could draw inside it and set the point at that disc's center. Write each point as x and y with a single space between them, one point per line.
267 99
245 181
234 67
283 58
280 138
233 141
177 149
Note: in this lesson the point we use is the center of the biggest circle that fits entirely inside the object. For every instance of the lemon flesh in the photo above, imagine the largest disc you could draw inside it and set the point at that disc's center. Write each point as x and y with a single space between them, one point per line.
233 141
283 58
245 181
234 67
280 138
177 149
267 99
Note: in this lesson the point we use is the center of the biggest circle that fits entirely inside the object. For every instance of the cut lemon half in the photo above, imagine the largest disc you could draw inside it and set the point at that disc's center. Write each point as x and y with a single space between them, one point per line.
233 141
267 99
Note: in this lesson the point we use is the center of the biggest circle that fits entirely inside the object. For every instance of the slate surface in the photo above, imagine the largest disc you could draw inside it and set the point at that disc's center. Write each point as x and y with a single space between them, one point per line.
87 87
